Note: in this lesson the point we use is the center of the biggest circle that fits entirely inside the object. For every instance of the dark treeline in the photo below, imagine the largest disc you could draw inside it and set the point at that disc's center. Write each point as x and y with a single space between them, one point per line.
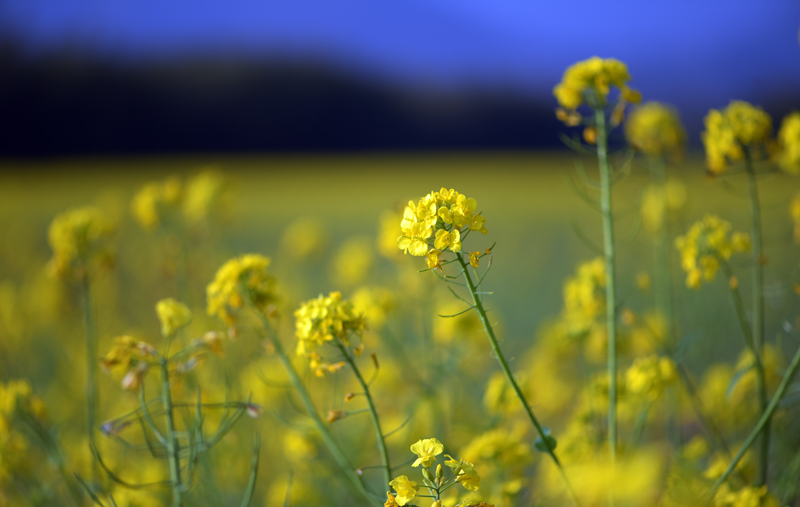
74 105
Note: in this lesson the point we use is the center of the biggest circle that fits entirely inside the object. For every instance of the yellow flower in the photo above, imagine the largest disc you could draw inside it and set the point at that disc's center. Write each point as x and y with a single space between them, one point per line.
246 273
594 75
447 213
730 131
390 501
474 258
468 477
203 192
584 297
426 450
173 316
75 236
789 143
433 258
445 239
655 129
353 261
325 319
153 199
706 244
648 376
659 201
305 238
125 350
406 489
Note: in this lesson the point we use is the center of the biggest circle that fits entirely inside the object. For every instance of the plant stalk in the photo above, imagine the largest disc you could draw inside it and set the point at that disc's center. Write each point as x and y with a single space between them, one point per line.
173 447
333 447
758 308
611 288
373 412
478 305
760 426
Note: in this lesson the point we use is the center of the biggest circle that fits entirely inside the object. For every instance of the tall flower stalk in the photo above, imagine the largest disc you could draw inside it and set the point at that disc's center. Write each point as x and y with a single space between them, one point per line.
589 82
741 132
446 218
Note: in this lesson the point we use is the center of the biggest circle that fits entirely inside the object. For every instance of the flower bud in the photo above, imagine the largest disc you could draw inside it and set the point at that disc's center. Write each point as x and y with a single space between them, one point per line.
439 471
427 474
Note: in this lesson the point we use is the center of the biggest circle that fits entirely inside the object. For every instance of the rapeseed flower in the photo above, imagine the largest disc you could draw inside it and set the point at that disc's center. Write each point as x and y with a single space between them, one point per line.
406 490
426 450
649 376
655 130
154 200
789 143
729 132
324 320
304 238
590 81
205 191
244 276
707 244
76 236
584 297
445 215
173 316
660 201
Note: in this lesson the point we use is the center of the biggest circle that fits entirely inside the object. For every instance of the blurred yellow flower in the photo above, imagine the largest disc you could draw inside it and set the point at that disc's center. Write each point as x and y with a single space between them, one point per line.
655 129
426 450
406 489
789 143
75 236
594 75
728 132
649 376
374 303
246 275
353 261
706 244
173 316
661 200
204 191
153 199
305 238
584 297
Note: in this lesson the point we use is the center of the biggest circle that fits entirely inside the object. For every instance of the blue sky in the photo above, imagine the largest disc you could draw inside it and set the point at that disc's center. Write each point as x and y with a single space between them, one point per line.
697 54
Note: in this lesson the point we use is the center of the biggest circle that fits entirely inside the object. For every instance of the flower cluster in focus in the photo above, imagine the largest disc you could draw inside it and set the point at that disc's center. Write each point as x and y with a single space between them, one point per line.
323 320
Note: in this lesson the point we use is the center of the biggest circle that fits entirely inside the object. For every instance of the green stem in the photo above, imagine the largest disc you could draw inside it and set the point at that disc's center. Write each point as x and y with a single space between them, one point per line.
333 447
610 258
762 424
478 305
173 447
373 412
761 385
90 337
758 306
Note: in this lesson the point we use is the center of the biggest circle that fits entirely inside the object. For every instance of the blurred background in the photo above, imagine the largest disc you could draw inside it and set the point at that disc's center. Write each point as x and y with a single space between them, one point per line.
88 77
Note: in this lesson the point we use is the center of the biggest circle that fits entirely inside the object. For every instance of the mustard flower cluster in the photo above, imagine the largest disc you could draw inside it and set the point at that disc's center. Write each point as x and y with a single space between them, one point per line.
659 201
649 376
15 395
132 357
240 278
655 129
706 244
729 132
462 472
325 320
75 237
584 297
443 216
156 200
173 316
789 143
748 496
590 81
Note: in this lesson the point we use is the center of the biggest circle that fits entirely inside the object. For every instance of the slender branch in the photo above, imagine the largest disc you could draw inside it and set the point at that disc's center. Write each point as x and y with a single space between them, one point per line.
373 412
610 264
760 426
92 398
333 447
173 447
758 306
507 370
